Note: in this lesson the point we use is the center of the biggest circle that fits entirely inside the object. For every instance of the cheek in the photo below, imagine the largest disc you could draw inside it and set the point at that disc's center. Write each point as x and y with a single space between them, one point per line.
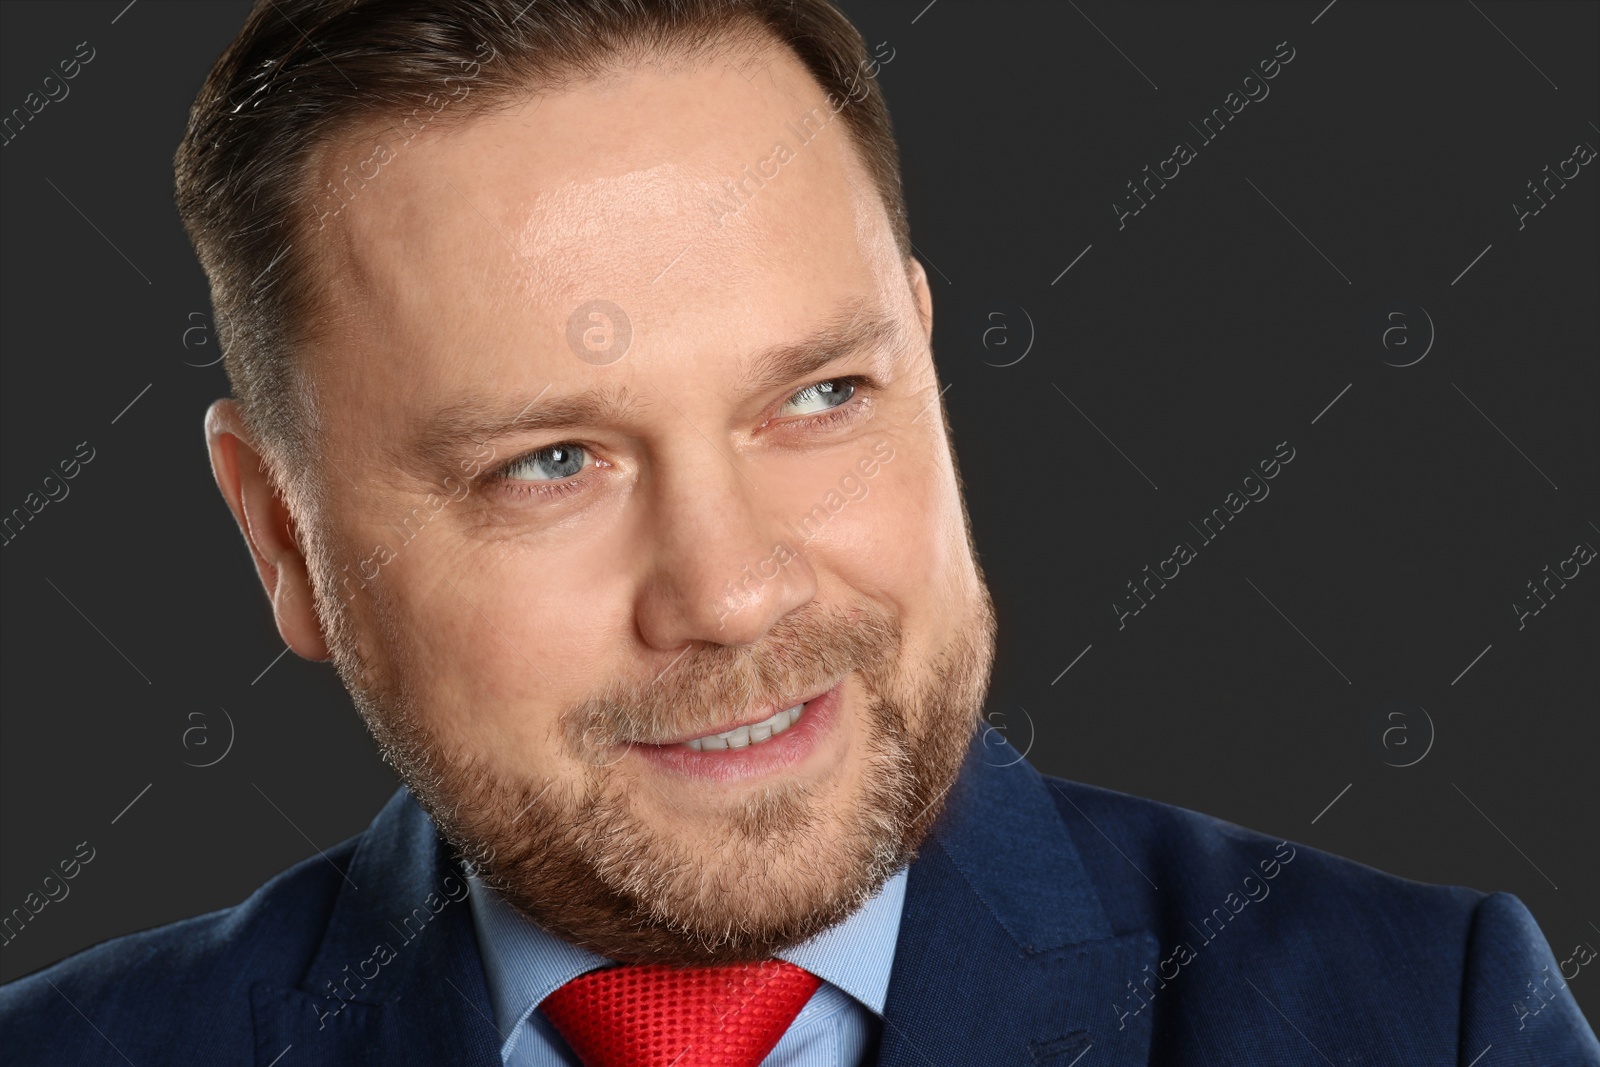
491 643
894 544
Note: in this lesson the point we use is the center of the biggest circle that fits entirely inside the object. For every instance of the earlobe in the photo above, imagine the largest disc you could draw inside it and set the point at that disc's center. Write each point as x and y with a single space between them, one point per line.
268 527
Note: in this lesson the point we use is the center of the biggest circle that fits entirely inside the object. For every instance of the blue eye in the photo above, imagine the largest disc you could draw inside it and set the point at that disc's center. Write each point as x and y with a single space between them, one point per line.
548 464
822 396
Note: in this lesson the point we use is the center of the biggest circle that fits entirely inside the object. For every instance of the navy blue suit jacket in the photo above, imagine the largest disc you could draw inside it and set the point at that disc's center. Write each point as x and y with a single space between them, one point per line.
1045 922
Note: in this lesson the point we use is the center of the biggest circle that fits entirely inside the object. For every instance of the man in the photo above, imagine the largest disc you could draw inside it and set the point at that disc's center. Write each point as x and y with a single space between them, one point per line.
585 419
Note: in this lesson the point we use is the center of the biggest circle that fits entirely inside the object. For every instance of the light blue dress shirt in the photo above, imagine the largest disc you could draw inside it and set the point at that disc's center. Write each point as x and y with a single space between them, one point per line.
523 964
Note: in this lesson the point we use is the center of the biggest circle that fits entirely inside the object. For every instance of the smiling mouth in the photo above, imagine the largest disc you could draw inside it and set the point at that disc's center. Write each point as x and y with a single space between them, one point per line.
743 736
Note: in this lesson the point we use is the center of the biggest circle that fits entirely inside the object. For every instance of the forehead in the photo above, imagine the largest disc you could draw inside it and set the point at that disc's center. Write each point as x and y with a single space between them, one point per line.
720 205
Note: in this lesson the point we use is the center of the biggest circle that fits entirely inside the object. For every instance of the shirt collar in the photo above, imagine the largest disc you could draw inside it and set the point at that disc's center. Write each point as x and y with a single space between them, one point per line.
523 963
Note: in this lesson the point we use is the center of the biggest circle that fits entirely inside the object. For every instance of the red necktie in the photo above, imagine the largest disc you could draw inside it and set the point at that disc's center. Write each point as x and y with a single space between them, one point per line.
656 1015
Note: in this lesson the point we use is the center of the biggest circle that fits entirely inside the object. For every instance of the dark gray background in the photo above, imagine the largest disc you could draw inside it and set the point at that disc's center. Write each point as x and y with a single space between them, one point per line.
1222 320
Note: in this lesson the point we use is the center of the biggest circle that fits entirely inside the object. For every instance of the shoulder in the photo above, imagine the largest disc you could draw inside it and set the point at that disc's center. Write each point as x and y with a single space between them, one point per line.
1183 856
1300 919
188 977
1318 936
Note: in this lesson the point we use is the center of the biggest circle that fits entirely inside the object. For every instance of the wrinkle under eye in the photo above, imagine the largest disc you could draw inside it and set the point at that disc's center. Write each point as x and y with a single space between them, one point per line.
552 463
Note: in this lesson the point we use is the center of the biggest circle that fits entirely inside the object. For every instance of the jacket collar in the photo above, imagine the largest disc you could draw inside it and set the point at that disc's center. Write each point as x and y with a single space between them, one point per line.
1005 952
1004 955
397 977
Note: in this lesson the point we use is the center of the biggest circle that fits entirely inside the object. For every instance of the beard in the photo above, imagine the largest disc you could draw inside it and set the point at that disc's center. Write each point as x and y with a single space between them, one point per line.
593 858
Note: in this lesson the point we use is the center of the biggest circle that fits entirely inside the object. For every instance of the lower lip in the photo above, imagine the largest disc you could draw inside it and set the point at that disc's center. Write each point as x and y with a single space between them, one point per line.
752 761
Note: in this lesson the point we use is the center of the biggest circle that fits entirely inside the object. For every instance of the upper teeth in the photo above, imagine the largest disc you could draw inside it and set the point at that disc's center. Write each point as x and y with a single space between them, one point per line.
748 735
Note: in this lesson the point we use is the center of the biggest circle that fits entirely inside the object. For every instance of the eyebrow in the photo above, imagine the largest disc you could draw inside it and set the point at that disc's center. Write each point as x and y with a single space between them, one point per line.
854 328
453 431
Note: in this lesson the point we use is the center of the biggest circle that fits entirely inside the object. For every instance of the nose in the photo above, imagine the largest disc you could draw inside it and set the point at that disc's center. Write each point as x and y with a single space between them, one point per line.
722 569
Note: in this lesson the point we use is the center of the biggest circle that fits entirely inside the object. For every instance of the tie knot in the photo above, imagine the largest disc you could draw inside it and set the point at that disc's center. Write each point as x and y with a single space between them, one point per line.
656 1015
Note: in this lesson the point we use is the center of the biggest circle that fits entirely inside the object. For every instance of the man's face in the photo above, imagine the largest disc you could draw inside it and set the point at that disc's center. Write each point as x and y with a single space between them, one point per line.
543 560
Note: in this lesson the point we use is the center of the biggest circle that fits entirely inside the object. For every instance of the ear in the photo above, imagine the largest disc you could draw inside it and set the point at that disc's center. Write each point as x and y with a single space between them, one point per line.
924 297
269 529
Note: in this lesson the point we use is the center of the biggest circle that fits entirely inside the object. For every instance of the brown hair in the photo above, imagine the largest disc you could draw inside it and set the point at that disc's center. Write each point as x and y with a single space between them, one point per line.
303 73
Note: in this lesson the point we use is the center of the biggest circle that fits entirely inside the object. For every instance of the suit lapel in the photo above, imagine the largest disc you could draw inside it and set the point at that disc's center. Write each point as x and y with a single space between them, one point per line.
398 977
1005 954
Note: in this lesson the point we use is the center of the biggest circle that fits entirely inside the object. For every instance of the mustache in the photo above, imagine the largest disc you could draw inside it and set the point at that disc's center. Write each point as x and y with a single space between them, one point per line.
801 655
